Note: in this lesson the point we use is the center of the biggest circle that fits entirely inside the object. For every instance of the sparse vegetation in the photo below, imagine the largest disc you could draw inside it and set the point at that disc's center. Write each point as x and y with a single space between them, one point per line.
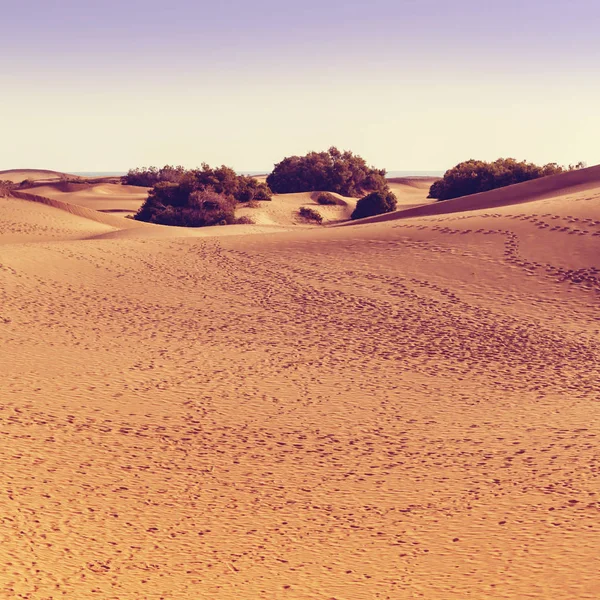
222 180
6 187
340 172
244 220
310 214
327 199
375 203
474 176
150 176
199 197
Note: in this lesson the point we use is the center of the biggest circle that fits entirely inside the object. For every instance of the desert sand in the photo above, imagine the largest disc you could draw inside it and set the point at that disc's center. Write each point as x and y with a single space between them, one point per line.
402 408
19 175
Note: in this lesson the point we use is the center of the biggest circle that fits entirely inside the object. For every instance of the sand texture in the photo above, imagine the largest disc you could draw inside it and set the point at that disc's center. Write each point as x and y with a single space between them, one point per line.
102 197
398 409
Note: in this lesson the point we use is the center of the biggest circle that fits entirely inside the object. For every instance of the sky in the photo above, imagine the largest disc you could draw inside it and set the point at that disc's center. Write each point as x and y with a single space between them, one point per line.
410 85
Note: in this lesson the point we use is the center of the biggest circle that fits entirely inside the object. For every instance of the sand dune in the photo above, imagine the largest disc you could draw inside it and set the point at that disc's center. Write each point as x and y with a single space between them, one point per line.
398 409
19 175
79 210
282 211
529 191
23 220
104 197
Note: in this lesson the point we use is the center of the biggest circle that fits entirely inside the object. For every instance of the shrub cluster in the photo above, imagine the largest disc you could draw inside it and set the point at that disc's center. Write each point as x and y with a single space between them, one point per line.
335 171
244 220
473 176
375 203
201 197
310 214
6 186
222 180
168 204
150 176
325 198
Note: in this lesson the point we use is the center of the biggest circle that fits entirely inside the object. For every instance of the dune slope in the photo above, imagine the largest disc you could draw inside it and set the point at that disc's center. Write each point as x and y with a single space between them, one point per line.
580 180
19 175
104 197
402 409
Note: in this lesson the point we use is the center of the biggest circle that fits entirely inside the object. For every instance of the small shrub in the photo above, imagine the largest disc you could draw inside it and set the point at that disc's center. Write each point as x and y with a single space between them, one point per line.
244 220
327 199
6 187
263 192
26 183
375 203
249 189
310 214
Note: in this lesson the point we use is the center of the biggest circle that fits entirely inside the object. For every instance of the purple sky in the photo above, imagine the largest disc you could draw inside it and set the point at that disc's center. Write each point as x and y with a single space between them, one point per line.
131 53
116 34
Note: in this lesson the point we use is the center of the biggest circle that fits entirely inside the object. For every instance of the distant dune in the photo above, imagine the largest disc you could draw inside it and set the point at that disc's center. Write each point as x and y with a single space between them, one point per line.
281 211
19 175
403 407
104 197
529 191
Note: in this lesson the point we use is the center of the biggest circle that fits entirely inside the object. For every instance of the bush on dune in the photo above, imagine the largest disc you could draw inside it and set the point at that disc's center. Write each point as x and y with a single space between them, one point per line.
327 199
201 197
6 187
310 214
222 180
474 176
375 203
172 204
150 176
250 189
244 220
340 172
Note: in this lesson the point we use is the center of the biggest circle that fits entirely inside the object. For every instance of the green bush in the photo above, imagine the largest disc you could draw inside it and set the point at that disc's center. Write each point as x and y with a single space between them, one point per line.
248 189
375 203
474 176
244 220
327 199
6 187
170 204
201 197
310 214
222 180
340 172
150 176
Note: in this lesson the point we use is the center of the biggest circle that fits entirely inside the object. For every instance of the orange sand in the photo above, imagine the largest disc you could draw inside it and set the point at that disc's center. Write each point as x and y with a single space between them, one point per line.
389 410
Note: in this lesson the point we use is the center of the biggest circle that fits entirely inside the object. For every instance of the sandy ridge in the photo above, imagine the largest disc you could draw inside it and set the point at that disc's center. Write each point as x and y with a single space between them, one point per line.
528 191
